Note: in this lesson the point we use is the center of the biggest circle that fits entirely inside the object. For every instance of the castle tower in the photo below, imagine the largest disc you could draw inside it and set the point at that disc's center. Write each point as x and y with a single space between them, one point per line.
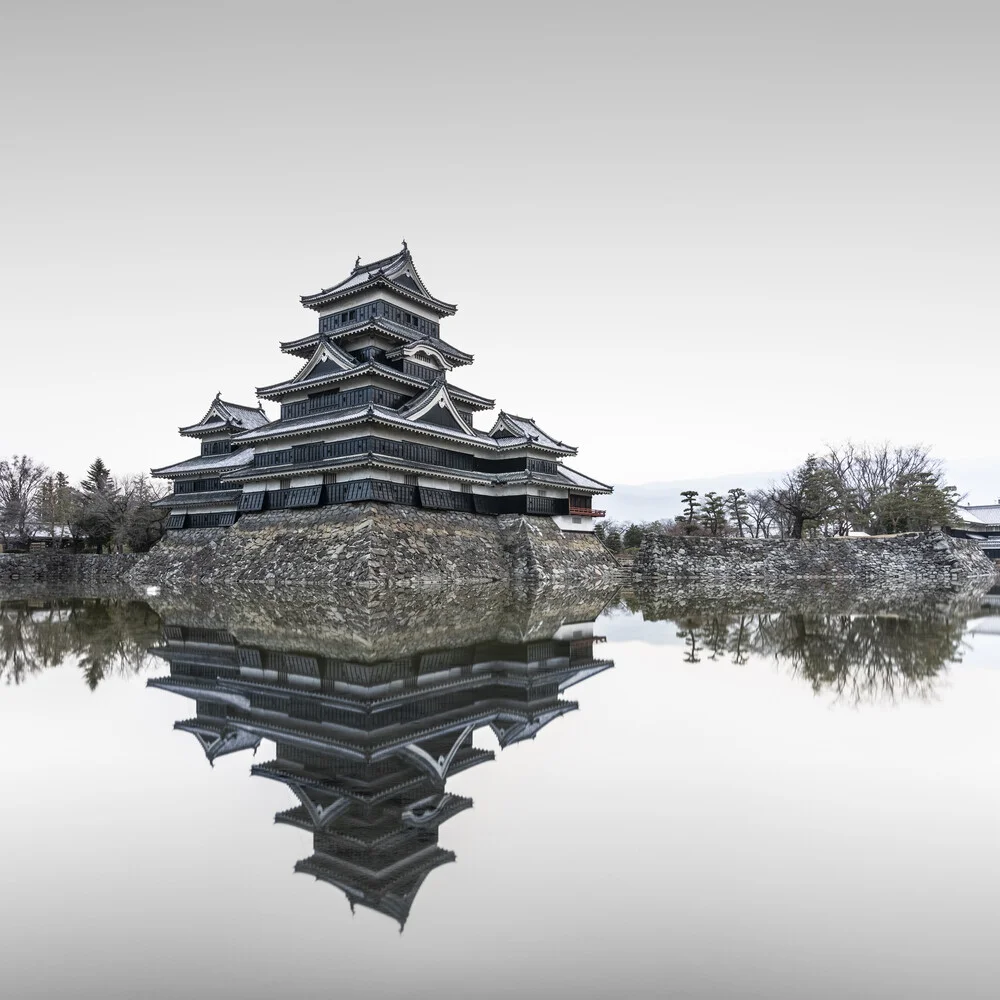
373 414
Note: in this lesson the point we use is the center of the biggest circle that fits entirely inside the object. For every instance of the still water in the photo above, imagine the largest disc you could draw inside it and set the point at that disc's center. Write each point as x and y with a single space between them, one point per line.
531 799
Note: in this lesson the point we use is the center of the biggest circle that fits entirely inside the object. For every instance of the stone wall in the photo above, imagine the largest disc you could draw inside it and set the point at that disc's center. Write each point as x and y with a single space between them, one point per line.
373 546
927 559
542 554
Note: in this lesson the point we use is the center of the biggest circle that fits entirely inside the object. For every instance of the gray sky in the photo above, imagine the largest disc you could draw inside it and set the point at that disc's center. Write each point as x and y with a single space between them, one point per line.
689 238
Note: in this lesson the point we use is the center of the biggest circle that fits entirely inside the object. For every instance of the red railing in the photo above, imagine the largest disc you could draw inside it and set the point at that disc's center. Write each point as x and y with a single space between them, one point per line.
585 512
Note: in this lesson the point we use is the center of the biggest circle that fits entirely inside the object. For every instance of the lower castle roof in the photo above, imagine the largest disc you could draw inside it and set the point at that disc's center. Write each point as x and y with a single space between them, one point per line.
205 499
205 463
382 414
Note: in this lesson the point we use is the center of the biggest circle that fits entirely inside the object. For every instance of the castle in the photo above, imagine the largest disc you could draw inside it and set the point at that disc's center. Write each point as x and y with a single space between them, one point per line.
372 415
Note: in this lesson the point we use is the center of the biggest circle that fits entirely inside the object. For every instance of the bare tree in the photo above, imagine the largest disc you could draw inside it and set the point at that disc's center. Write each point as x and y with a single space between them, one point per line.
140 523
808 495
21 479
887 488
760 514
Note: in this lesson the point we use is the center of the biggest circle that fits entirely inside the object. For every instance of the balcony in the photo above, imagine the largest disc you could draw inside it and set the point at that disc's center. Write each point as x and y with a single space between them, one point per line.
576 511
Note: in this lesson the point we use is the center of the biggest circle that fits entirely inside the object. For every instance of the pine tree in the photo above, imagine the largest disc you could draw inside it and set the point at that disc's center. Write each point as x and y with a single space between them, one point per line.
98 478
737 506
632 538
713 514
691 505
100 511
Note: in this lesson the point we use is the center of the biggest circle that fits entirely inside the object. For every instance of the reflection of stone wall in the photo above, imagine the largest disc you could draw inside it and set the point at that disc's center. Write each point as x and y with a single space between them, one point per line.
929 558
368 625
50 572
373 545
674 599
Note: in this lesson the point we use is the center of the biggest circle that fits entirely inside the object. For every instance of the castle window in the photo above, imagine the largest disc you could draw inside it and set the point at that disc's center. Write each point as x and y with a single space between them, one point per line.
329 478
466 488
410 480
284 484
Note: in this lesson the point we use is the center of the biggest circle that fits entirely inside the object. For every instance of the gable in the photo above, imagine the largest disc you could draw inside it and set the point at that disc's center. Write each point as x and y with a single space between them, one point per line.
407 282
326 367
442 416
327 359
436 406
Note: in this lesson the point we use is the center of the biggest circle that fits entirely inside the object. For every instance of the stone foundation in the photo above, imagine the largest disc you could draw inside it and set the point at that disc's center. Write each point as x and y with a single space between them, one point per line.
372 545
923 559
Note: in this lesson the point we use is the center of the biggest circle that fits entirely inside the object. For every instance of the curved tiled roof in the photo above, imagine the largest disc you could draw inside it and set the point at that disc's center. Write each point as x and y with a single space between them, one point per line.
382 414
227 416
205 463
397 272
397 330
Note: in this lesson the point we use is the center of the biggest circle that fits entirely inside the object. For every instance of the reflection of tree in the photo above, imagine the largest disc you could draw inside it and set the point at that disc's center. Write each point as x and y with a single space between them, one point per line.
859 657
107 637
863 657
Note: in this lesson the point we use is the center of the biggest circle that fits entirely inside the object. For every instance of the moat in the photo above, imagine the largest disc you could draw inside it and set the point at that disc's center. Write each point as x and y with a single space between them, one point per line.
660 796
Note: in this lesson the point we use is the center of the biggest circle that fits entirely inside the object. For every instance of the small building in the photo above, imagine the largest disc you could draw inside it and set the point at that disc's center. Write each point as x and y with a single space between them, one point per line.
373 414
981 523
200 498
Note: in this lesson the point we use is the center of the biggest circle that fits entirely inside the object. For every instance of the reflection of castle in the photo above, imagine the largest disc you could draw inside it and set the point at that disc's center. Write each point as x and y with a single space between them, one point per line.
367 748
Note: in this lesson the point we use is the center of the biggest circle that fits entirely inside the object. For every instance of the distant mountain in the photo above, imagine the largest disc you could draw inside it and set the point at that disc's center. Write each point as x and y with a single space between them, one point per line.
978 478
657 501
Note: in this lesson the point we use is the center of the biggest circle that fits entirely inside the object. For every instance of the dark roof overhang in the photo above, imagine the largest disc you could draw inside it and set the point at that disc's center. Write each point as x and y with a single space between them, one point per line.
328 296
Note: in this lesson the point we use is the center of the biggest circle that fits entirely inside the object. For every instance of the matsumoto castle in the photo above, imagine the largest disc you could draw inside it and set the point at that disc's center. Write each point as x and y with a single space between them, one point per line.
372 414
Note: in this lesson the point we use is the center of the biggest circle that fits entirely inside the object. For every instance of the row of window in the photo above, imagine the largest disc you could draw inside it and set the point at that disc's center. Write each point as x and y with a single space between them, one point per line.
336 399
197 485
218 520
379 309
216 447
542 465
407 451
357 490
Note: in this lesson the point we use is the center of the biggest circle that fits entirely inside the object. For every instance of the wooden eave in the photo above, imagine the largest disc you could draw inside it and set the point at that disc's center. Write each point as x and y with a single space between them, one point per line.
376 414
204 430
545 480
203 499
280 389
471 399
305 346
368 460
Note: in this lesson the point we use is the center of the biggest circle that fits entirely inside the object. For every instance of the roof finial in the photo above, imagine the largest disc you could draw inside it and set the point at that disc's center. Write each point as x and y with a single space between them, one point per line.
357 263
406 249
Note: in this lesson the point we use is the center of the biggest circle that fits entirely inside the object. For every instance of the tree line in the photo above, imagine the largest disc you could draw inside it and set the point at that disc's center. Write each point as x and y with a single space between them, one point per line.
101 513
875 490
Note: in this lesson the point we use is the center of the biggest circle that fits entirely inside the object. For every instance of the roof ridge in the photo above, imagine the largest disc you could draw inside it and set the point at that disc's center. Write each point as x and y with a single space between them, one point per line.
372 265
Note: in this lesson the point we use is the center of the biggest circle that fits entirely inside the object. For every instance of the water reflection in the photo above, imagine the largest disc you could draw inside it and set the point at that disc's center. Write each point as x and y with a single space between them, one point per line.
105 637
367 744
856 645
857 657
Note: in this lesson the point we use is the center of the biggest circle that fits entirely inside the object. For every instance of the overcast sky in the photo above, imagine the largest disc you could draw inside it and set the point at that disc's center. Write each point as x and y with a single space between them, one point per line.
689 238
